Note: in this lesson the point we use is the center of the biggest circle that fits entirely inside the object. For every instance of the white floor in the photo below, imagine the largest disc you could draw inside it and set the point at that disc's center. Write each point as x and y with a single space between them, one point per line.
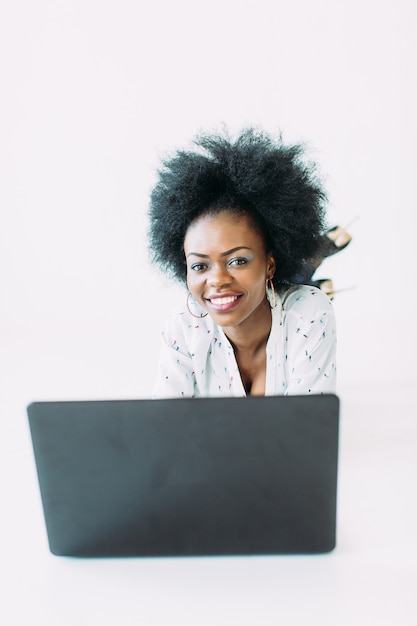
94 94
88 336
369 579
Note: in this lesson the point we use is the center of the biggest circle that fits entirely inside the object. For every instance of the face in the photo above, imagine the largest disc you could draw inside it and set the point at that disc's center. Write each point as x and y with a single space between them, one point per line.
227 268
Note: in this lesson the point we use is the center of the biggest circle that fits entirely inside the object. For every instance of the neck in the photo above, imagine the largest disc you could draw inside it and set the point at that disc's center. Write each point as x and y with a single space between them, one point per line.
252 334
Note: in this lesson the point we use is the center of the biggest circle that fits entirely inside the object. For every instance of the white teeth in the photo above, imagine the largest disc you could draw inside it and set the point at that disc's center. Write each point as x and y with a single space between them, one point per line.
226 300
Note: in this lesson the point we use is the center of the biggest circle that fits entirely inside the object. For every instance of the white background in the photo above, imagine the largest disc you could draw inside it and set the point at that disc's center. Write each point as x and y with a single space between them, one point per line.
93 93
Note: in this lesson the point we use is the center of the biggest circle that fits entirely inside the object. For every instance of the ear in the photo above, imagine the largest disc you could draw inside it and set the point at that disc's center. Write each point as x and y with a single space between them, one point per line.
270 266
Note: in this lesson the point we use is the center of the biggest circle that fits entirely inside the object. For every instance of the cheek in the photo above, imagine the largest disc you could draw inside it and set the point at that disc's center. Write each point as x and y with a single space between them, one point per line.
259 287
193 280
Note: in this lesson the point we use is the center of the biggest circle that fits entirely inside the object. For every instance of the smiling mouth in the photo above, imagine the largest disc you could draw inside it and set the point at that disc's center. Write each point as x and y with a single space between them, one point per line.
224 304
224 300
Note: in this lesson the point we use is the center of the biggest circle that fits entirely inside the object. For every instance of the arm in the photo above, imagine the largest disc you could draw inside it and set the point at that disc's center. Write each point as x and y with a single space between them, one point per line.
175 373
311 332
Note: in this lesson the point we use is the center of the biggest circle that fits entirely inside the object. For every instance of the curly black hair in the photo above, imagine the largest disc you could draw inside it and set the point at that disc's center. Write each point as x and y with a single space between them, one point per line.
254 175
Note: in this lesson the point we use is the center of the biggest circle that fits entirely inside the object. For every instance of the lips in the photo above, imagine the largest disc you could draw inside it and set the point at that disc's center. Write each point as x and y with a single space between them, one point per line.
224 303
224 300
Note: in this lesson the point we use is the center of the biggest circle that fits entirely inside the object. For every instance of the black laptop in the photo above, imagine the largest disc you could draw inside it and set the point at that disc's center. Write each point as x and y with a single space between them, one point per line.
184 477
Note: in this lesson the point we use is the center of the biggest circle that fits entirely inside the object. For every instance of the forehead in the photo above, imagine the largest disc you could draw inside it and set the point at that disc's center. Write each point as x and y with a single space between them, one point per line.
223 231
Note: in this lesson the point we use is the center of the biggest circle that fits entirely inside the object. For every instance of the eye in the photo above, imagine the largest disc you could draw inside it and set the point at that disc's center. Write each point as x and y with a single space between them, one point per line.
237 261
198 267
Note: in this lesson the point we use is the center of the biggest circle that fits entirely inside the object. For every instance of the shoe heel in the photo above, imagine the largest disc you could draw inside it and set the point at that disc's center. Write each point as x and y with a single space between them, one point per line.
326 286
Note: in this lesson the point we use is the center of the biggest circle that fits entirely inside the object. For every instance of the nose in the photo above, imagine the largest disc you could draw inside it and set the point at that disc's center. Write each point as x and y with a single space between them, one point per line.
219 276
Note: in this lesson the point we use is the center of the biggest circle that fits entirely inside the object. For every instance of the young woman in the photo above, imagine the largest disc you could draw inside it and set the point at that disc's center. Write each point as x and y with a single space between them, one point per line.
235 222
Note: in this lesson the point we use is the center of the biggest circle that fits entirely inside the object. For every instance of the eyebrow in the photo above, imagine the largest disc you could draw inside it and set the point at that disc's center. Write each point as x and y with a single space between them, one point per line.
206 256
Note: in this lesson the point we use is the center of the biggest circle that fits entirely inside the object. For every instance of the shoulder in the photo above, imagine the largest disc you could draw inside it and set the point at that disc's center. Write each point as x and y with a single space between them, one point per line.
303 307
181 319
304 300
308 323
188 331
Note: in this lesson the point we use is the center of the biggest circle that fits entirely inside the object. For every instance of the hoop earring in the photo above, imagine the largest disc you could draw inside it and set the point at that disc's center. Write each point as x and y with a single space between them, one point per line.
270 293
190 311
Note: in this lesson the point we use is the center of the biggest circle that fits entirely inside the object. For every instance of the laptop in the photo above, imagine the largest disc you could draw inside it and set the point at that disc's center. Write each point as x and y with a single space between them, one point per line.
188 477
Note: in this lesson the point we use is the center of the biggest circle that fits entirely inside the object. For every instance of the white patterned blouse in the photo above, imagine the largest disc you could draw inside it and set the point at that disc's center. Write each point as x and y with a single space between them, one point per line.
197 359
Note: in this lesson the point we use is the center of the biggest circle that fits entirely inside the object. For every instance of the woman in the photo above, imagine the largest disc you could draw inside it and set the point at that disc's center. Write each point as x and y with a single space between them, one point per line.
234 221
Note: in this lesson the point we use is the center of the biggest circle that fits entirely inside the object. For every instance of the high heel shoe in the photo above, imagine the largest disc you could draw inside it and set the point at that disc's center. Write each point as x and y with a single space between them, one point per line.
326 286
334 240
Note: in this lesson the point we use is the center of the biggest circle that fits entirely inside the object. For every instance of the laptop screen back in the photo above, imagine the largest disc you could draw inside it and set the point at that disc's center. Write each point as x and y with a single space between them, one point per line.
182 477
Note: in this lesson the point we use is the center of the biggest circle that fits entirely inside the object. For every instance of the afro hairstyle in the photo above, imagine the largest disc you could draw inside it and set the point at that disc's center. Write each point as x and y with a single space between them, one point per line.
254 175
